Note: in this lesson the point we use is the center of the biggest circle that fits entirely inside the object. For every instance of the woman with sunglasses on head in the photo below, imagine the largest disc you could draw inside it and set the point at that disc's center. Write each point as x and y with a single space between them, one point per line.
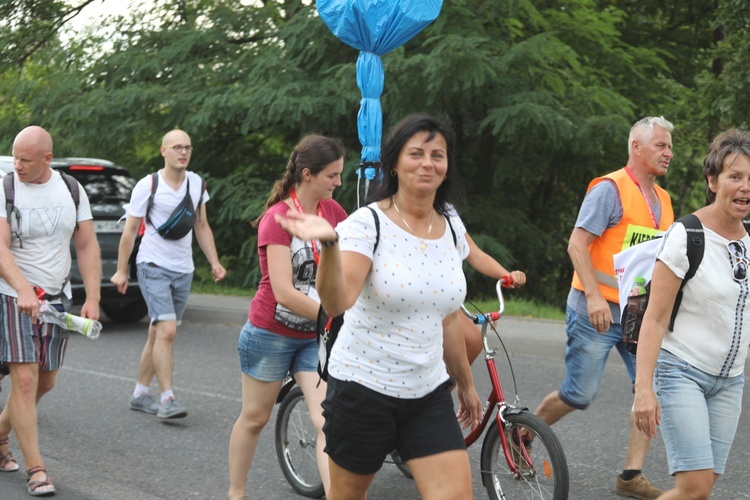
279 337
689 380
388 387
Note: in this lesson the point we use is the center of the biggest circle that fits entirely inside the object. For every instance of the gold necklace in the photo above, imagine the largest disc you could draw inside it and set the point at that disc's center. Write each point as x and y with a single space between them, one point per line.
423 243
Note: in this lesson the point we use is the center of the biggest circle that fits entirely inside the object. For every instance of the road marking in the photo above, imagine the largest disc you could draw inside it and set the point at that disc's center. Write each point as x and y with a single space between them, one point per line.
215 395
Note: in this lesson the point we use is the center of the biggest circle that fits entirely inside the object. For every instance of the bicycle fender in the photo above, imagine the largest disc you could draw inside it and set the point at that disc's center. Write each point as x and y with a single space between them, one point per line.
285 388
512 410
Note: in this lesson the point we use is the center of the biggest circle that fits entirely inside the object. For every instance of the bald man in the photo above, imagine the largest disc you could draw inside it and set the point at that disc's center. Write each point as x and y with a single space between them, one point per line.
165 265
35 252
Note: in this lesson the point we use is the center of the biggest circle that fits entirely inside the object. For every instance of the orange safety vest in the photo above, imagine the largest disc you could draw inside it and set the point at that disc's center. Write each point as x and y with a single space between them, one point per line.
635 227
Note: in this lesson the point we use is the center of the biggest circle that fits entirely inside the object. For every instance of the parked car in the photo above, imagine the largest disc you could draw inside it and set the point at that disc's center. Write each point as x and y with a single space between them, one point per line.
108 187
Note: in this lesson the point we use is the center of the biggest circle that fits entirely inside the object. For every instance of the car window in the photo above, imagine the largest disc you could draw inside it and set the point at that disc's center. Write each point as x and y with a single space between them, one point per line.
105 187
6 165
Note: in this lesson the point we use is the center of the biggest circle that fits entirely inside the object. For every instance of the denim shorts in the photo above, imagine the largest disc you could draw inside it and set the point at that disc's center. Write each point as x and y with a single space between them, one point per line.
268 356
699 414
362 426
24 342
165 292
585 357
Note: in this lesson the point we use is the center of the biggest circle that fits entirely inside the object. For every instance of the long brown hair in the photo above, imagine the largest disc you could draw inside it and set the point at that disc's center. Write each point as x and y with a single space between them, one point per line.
313 152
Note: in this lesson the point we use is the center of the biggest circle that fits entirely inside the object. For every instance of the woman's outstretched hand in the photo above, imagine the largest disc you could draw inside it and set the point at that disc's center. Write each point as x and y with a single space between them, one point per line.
306 226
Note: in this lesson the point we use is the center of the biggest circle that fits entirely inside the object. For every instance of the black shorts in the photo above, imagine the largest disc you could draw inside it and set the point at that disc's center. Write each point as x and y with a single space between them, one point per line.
363 426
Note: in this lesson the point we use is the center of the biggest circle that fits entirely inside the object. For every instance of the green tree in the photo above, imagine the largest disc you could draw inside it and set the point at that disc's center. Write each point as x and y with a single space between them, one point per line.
541 93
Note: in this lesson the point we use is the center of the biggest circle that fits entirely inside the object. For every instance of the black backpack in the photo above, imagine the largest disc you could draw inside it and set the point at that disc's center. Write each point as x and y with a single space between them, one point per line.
327 328
632 319
10 199
10 193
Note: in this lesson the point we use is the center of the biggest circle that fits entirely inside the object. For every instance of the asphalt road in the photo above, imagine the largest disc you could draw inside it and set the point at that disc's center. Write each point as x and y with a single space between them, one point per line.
96 448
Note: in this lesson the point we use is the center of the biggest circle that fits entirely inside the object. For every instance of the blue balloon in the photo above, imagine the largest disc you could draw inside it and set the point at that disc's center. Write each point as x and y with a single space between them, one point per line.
375 27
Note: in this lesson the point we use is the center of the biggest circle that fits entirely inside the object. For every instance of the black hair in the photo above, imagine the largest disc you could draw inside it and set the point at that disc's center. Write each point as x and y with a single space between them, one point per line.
449 191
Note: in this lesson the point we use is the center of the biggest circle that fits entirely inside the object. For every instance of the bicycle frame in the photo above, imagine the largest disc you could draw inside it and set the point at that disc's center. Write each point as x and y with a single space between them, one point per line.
496 399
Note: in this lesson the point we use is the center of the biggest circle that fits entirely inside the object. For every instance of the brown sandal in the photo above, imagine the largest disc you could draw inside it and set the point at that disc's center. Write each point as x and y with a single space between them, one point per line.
33 487
7 462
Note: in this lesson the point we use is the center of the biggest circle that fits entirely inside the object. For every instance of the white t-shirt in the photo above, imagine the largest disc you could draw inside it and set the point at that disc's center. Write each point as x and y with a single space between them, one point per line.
175 255
392 338
48 219
712 327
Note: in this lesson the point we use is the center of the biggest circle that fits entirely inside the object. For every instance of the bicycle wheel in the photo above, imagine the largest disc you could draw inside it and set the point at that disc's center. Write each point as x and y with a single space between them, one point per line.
543 476
295 445
396 459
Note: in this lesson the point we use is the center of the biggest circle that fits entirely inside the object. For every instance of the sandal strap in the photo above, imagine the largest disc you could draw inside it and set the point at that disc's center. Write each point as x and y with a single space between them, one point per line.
6 461
32 486
35 470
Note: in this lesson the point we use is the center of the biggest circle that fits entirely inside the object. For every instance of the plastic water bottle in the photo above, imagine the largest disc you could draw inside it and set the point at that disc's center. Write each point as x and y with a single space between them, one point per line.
85 326
637 303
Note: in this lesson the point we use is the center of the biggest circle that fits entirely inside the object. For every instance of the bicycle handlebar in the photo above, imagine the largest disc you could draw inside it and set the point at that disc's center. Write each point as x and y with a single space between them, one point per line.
479 319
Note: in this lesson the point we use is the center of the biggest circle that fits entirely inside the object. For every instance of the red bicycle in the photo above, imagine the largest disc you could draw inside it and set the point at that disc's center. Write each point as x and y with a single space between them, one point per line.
521 456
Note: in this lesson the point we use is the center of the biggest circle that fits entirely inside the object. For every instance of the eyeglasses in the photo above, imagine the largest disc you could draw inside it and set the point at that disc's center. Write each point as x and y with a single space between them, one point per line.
738 254
179 147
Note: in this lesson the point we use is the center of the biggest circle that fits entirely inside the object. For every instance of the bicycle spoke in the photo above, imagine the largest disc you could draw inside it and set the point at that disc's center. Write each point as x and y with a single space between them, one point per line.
541 467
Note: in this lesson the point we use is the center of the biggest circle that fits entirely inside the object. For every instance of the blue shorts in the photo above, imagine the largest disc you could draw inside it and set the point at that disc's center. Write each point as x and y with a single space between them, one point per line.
268 356
585 357
165 292
363 426
699 414
24 342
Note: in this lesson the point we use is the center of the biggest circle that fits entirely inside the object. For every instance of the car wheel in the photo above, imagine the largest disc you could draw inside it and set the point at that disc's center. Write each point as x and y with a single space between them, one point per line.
129 312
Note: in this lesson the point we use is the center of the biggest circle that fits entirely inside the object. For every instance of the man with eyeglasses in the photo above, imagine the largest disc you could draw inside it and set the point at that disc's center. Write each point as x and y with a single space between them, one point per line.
165 263
619 210
35 264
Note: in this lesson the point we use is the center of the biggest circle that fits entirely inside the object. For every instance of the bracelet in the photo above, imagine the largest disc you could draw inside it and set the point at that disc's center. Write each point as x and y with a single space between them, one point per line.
329 243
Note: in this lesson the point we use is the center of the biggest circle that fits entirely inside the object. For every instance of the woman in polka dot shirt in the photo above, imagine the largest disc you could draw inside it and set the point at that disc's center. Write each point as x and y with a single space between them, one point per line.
388 386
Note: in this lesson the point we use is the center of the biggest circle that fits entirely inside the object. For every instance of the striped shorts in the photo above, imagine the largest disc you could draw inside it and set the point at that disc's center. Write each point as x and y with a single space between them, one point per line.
24 342
165 292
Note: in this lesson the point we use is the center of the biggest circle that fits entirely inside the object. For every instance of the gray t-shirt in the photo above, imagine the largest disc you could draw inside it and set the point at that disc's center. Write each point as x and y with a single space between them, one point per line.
601 209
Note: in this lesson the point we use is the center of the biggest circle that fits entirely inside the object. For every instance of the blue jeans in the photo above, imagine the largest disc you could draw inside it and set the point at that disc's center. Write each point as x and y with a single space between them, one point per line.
699 414
585 357
268 356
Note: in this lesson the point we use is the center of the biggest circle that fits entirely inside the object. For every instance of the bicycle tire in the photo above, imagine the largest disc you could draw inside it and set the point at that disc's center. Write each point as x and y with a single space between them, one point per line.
546 479
296 442
400 465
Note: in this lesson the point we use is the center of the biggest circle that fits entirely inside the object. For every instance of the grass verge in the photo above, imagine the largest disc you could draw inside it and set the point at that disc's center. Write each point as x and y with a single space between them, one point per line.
513 306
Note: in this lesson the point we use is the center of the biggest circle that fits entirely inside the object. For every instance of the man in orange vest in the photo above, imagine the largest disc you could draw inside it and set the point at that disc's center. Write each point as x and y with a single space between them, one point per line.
620 209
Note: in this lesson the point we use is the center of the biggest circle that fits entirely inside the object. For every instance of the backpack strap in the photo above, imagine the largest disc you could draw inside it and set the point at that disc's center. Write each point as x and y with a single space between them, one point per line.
327 328
453 231
10 200
72 184
150 203
695 248
377 228
200 200
155 184
10 195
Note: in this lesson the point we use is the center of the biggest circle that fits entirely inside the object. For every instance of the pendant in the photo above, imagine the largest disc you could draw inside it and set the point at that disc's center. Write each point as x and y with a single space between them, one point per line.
423 247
